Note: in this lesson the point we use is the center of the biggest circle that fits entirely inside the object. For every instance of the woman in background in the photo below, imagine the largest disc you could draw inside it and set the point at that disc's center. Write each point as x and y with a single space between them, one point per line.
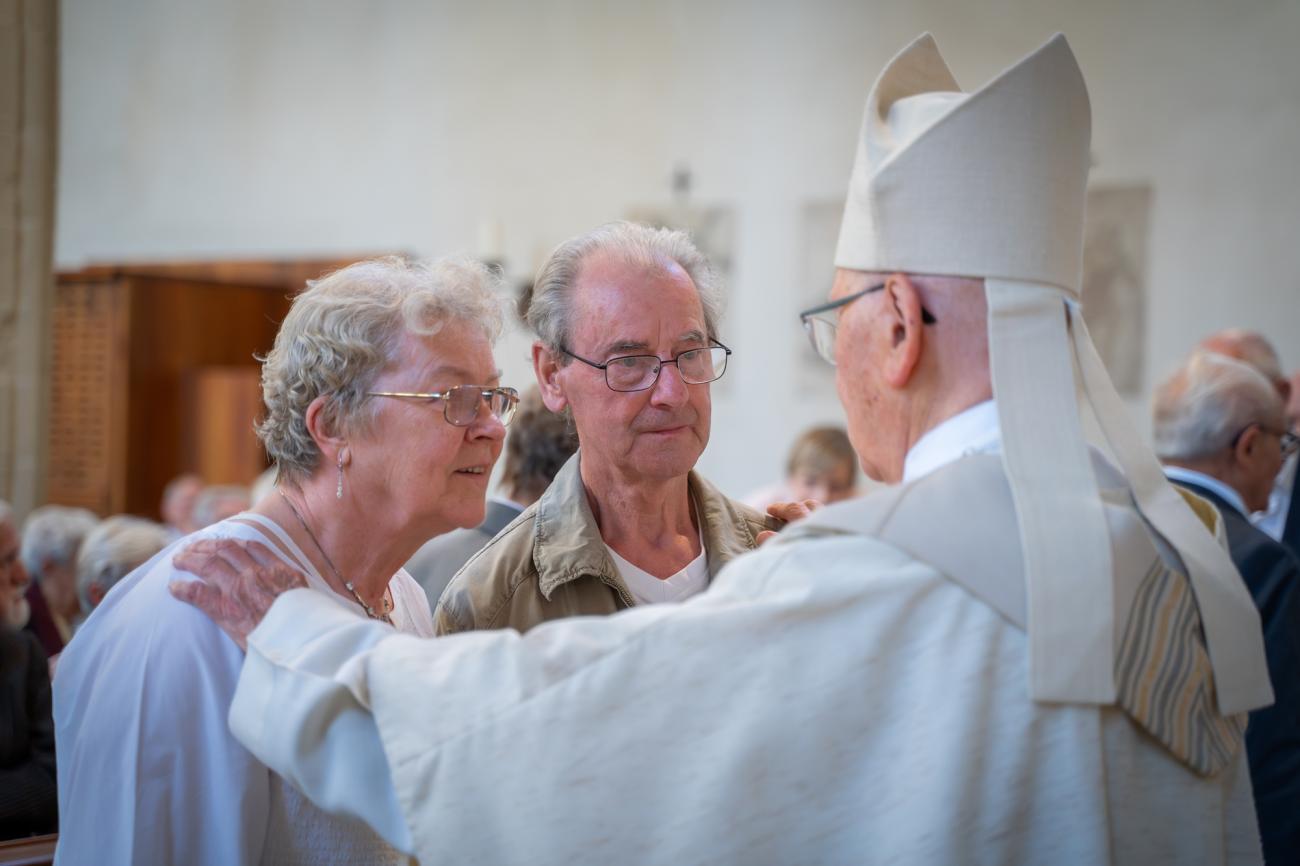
822 466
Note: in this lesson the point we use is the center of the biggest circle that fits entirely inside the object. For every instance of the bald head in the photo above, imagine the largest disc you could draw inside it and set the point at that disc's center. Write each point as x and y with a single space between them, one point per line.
1253 348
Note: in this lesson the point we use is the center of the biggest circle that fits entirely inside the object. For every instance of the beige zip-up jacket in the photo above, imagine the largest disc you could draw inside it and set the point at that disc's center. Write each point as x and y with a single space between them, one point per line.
550 562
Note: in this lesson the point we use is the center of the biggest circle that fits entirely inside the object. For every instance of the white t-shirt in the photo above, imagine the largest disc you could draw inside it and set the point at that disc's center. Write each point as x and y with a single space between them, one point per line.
648 589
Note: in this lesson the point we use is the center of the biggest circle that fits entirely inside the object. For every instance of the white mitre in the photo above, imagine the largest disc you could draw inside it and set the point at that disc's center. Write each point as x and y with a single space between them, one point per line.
992 184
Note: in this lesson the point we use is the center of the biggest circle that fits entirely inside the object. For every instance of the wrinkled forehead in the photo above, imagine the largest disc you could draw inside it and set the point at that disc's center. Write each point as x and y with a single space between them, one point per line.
458 352
612 290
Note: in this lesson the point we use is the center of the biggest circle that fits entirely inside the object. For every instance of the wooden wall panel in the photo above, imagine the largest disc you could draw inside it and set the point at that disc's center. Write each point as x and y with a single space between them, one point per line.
177 328
88 396
224 403
155 375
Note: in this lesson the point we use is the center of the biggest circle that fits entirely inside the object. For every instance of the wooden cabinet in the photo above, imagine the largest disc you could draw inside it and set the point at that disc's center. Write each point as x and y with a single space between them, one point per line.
154 374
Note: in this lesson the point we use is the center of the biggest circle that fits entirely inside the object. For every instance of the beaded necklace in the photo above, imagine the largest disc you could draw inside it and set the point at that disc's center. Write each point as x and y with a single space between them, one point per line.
370 611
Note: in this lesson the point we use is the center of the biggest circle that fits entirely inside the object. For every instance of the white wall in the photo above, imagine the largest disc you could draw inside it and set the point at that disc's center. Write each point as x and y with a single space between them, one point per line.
276 128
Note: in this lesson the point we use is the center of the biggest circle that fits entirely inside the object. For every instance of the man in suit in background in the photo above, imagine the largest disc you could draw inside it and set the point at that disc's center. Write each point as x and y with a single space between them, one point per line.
1279 520
1220 428
539 443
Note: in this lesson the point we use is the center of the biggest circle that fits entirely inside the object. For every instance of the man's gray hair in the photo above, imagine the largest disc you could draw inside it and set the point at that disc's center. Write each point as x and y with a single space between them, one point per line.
52 534
1207 402
549 308
342 331
115 548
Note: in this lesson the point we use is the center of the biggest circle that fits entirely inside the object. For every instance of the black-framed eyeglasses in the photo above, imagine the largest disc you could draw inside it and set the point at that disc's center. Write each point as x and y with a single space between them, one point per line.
460 404
641 372
821 327
1287 439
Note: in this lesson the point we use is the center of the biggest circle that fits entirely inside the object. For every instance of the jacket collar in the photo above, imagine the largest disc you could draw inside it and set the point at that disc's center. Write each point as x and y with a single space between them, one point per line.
1221 493
567 544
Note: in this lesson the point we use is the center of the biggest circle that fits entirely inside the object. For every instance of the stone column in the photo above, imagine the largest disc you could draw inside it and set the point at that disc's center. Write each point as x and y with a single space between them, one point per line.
29 49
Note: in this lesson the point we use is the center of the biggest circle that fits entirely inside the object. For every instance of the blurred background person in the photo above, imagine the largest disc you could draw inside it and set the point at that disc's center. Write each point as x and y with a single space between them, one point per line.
1220 429
822 466
177 505
113 549
384 420
218 502
539 443
1253 348
28 800
52 535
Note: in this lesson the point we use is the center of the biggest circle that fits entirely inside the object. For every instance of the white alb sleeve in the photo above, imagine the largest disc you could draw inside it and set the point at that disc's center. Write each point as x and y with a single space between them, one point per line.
302 708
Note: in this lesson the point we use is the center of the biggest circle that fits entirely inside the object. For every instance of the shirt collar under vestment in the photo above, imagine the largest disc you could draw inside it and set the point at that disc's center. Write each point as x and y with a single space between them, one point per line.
1210 483
971 431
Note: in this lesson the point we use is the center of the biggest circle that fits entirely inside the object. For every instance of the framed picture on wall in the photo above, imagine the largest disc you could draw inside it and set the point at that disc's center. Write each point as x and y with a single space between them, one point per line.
1115 279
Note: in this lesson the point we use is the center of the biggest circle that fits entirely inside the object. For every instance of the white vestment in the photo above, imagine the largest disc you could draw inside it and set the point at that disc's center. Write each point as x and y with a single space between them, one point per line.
148 771
829 700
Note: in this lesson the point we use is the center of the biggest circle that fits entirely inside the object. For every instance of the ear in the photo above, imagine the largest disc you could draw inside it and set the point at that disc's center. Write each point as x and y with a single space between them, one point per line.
1247 444
906 335
547 367
323 427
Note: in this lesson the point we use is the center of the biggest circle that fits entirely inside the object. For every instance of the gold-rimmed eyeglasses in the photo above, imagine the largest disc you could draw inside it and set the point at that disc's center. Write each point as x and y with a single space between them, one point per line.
460 404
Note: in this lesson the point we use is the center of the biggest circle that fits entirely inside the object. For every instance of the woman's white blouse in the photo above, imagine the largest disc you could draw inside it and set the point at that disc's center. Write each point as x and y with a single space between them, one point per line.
148 769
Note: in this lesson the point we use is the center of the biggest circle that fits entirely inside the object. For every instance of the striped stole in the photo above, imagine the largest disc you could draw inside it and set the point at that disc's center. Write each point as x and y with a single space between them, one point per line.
1164 678
961 521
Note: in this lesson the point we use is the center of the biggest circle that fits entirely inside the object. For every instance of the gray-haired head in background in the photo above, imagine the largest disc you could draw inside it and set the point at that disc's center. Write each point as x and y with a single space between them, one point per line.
1205 404
52 534
1253 348
111 551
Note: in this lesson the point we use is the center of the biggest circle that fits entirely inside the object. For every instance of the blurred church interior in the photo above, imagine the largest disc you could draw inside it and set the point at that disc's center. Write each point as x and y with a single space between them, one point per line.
176 171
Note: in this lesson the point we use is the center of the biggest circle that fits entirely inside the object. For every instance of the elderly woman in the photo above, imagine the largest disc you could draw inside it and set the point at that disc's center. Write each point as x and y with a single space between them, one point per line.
384 417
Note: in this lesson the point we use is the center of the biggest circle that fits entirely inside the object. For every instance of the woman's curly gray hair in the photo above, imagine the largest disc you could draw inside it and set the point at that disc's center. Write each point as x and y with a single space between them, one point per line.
344 329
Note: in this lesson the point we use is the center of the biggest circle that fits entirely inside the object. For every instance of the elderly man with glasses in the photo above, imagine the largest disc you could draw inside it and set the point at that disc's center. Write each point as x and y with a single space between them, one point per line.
1220 428
1280 520
626 319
